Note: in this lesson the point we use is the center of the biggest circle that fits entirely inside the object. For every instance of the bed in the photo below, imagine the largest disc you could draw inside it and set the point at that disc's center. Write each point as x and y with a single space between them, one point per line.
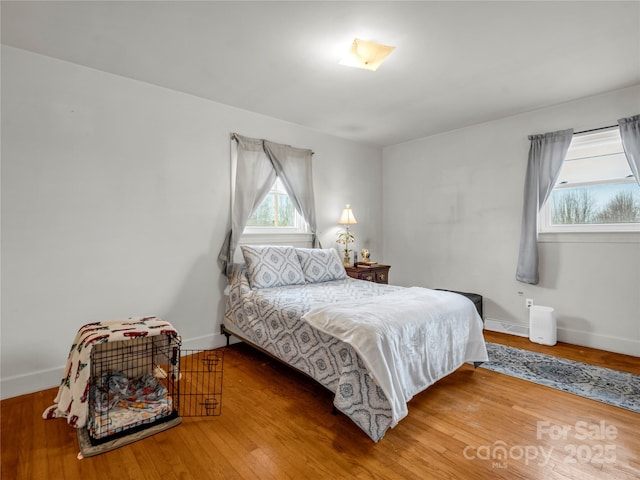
374 346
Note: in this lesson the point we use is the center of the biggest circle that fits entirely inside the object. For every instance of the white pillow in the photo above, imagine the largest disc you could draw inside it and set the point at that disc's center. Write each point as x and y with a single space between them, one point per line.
321 265
272 266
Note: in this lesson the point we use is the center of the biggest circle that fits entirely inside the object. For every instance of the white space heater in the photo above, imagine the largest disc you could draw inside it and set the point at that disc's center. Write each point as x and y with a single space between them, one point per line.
542 325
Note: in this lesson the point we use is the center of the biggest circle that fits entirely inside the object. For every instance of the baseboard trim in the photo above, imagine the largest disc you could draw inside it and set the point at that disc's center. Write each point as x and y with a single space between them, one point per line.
608 343
204 342
50 378
45 379
502 326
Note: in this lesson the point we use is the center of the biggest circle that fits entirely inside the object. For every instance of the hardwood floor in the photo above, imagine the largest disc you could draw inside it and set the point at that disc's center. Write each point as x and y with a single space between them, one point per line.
277 424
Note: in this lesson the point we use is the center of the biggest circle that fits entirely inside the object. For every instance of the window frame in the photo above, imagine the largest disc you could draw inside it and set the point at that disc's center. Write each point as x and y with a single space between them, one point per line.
544 216
300 228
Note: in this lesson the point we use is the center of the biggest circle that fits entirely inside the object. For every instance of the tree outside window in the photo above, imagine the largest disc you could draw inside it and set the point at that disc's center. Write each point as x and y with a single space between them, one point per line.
276 210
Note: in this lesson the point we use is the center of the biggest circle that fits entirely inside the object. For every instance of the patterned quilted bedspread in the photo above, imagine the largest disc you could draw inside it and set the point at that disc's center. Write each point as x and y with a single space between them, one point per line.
271 319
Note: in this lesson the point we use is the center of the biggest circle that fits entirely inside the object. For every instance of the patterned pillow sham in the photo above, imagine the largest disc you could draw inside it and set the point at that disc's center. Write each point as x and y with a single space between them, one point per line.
272 266
321 265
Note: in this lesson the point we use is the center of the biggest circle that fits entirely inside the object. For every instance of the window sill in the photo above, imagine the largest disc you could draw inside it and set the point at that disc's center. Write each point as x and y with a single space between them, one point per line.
294 239
589 237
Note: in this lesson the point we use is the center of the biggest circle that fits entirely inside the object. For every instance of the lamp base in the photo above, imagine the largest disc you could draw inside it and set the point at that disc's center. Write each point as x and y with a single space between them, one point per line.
345 261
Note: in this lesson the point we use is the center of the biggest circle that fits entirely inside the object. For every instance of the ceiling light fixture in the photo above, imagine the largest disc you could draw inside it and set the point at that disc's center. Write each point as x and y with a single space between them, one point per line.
366 54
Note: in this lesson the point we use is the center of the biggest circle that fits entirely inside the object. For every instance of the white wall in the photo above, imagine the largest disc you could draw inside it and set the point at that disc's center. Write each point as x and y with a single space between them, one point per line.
452 213
115 203
115 199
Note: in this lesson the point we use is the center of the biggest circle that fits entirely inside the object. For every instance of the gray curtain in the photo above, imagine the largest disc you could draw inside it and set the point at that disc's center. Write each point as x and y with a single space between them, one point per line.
257 164
293 166
254 176
546 154
630 134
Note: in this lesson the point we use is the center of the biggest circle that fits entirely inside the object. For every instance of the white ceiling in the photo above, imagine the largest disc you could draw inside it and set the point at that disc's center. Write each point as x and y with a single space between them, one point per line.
456 63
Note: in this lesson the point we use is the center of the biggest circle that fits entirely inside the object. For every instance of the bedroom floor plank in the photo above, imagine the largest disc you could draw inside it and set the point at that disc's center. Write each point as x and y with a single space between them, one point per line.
277 424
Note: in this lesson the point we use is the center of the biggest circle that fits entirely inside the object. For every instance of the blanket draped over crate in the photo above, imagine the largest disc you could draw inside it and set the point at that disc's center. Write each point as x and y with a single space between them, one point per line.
71 402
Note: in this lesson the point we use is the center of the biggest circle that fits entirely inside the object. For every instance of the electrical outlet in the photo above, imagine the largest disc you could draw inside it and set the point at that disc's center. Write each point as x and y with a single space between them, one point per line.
529 302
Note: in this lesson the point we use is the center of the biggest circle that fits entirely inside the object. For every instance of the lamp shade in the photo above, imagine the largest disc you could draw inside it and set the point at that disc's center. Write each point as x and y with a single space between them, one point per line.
347 217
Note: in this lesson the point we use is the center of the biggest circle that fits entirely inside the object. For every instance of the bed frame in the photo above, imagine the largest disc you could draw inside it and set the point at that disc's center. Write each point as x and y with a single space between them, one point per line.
228 333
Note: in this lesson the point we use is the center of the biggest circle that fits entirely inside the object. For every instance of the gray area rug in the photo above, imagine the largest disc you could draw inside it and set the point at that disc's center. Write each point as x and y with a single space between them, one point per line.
616 388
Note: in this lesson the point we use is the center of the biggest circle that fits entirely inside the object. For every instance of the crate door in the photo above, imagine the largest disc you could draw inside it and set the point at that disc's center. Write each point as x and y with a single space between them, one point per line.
200 383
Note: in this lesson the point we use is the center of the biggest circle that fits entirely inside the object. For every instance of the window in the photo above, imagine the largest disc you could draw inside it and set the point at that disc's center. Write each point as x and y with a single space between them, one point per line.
276 214
596 190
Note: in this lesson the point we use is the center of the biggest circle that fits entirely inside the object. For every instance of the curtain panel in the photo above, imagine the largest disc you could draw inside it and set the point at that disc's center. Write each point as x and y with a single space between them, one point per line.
630 134
255 165
254 176
546 154
293 166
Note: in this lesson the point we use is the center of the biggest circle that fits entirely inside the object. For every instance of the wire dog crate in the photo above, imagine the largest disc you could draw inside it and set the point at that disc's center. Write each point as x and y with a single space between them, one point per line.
134 385
142 385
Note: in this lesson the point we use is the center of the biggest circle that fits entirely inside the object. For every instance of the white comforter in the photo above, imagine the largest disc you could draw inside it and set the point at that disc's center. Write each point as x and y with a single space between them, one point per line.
408 339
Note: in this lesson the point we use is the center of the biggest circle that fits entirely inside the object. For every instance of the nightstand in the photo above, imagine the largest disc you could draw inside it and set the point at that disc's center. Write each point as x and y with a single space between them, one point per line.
371 272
